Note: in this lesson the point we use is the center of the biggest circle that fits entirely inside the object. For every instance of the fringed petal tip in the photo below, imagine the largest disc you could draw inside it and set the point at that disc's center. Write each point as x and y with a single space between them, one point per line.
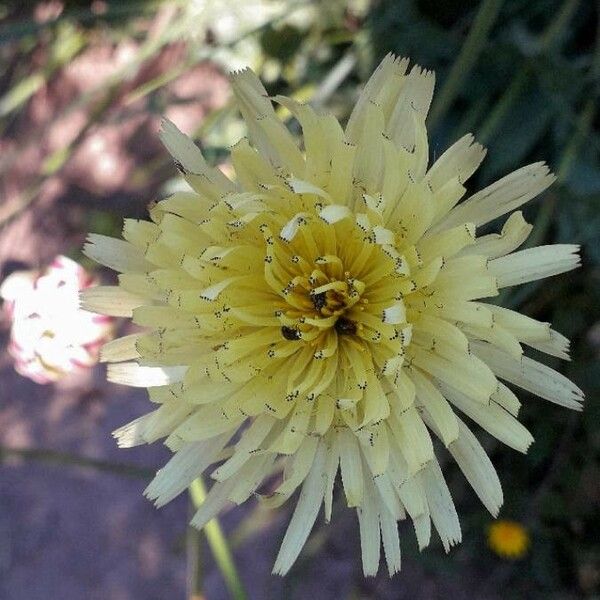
241 72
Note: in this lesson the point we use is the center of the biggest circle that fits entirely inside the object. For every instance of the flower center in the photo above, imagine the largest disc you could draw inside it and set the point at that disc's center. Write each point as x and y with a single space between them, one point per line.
318 301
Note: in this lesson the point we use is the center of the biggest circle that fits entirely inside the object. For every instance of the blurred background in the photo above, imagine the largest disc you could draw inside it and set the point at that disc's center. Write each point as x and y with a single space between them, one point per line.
83 86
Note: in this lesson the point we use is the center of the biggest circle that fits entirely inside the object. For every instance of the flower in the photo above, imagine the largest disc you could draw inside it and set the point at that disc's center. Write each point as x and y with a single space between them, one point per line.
50 335
322 314
508 539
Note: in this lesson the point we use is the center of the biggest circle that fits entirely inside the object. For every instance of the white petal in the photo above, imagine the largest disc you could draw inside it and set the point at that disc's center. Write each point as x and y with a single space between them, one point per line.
413 101
17 285
110 300
493 418
164 420
351 467
187 464
477 468
290 229
395 314
501 197
334 213
410 491
439 413
422 525
132 434
391 541
265 130
534 263
461 159
441 506
119 255
203 178
305 514
537 334
384 236
250 476
331 469
368 520
305 187
557 345
212 293
132 374
120 349
249 442
383 87
182 148
514 232
389 496
506 398
301 464
216 500
531 376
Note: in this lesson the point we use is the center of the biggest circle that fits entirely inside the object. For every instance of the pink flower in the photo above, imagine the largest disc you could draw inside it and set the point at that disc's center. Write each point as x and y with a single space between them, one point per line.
50 335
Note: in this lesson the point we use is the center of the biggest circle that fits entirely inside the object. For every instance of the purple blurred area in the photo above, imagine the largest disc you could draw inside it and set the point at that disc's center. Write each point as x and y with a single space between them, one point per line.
72 532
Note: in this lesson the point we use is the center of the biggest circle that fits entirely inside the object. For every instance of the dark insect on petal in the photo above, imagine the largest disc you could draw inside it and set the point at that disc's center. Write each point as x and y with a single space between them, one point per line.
345 326
318 300
289 333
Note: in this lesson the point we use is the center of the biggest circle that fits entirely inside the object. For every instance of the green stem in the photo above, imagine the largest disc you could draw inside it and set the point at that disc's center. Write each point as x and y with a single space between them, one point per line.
66 458
469 53
218 545
554 31
472 116
582 127
16 30
194 548
551 35
513 91
546 212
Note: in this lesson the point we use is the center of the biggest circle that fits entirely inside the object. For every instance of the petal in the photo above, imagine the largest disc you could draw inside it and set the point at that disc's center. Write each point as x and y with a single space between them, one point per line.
441 506
477 468
187 464
119 255
132 374
501 197
110 300
531 376
534 263
305 514
266 131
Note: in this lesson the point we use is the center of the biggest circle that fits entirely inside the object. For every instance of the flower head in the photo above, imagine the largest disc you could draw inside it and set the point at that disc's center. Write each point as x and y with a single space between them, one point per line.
508 539
323 314
50 335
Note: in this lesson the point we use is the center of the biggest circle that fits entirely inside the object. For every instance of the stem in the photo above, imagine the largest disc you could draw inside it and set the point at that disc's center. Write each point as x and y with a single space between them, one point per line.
582 127
550 36
218 545
545 214
557 26
469 53
334 78
194 562
503 105
66 458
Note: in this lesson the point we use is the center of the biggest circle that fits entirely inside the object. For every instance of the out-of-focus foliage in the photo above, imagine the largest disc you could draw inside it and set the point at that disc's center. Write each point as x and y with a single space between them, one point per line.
522 75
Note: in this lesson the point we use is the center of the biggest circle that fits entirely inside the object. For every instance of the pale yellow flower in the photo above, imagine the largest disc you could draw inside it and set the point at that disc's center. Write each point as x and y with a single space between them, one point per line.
508 539
326 306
